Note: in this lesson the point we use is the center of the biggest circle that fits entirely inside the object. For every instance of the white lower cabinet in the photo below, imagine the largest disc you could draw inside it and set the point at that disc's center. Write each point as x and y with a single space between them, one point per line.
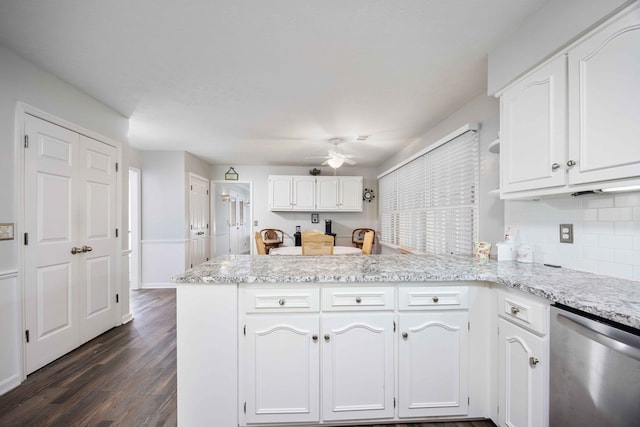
357 363
433 364
523 361
282 368
433 351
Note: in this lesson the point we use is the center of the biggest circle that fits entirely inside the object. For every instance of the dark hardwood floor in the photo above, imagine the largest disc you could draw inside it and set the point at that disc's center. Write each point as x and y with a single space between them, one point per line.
125 377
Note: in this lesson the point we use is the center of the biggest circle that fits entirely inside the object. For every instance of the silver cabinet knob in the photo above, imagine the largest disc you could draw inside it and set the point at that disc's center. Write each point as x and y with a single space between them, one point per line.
515 310
533 361
75 250
327 337
555 167
282 301
435 299
405 335
358 300
314 338
571 163
86 248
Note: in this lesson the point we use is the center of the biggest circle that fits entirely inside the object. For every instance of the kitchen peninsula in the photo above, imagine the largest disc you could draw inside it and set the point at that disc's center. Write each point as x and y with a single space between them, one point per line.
231 310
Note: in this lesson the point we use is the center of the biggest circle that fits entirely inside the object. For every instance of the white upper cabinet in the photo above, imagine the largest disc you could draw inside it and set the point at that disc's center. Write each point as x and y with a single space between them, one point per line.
343 193
572 124
291 193
309 193
604 99
532 136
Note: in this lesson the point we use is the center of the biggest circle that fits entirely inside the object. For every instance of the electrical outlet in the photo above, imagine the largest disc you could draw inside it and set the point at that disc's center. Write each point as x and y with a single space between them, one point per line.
566 233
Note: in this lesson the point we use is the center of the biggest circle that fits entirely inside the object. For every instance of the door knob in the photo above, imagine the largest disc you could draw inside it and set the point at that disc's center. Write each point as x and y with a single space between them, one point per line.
75 250
533 361
314 338
555 167
571 163
405 335
86 248
327 337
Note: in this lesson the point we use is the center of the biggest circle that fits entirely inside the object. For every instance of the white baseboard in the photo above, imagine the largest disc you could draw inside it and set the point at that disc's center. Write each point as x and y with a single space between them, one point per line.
9 383
127 318
158 285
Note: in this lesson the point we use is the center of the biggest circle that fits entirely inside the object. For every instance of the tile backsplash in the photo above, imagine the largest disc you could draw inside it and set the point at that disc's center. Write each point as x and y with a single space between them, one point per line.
606 231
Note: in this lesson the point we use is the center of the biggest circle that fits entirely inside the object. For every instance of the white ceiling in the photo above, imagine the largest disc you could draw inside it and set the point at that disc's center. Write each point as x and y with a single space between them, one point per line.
268 81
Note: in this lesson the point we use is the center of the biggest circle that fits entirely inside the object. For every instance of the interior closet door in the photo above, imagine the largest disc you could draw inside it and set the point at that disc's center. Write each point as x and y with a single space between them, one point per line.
70 212
199 220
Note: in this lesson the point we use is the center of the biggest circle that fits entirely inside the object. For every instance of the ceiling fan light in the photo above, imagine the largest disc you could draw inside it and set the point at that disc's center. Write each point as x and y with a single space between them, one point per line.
335 162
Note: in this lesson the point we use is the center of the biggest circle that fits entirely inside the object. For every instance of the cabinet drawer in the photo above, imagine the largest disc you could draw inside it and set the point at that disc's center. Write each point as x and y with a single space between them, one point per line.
336 299
523 311
433 298
281 300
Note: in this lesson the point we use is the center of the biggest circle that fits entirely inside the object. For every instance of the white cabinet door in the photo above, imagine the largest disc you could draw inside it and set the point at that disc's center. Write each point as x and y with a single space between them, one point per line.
357 363
327 197
433 364
604 101
533 130
350 193
282 369
339 193
304 193
522 374
280 193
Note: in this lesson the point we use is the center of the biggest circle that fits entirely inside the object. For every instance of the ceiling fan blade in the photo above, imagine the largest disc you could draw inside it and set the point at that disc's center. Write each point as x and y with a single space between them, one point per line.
326 162
350 162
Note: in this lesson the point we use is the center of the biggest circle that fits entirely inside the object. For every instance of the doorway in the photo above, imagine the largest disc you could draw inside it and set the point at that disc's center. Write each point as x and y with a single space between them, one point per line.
232 217
134 228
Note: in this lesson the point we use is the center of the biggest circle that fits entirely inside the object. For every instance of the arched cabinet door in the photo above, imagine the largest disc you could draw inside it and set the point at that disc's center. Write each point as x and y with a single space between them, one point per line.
604 100
521 372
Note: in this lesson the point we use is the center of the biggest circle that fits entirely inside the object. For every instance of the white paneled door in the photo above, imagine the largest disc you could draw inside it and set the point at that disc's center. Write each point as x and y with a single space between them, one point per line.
70 256
199 220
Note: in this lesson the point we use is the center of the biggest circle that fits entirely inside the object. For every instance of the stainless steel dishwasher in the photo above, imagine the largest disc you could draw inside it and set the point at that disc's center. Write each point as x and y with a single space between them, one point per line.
594 372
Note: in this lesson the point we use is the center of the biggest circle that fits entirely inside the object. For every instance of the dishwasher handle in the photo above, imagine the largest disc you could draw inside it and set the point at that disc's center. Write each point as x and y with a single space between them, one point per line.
581 326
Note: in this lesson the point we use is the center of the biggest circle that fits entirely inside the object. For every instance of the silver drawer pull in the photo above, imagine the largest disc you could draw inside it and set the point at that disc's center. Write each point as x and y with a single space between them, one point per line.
282 301
358 300
533 361
515 310
435 299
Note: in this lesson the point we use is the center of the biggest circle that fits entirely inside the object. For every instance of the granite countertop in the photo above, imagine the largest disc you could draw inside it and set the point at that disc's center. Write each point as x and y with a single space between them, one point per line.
604 296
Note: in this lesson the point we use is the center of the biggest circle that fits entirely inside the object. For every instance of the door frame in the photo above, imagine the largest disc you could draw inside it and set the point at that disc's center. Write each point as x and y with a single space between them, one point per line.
135 250
21 111
213 200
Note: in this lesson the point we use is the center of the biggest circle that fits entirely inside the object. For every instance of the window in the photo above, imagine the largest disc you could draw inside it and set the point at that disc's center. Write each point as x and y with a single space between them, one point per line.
430 204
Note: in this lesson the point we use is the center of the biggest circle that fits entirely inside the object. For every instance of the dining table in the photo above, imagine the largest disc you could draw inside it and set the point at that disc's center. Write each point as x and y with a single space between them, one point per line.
297 250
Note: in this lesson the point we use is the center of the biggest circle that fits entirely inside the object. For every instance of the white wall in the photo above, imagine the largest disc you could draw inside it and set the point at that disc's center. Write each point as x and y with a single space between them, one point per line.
343 222
164 240
545 31
606 232
483 110
22 81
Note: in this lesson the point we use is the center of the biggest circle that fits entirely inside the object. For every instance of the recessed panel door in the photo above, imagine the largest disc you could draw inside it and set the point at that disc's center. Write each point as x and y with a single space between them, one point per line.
51 271
97 176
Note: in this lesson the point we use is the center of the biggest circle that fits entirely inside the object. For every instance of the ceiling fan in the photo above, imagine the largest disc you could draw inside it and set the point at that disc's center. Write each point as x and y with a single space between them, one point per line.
335 159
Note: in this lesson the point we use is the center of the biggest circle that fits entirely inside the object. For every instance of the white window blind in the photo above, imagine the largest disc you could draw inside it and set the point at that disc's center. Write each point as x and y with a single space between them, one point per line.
430 204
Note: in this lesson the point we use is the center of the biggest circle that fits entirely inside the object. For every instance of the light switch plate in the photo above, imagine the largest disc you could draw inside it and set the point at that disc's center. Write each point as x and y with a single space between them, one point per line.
6 231
566 233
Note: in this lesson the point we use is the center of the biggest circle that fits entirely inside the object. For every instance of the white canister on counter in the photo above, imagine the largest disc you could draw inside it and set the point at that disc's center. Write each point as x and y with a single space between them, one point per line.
504 251
524 253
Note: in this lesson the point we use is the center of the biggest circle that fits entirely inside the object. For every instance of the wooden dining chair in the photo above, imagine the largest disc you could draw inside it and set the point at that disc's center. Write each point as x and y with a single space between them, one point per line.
357 236
367 244
262 250
310 232
272 238
317 244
